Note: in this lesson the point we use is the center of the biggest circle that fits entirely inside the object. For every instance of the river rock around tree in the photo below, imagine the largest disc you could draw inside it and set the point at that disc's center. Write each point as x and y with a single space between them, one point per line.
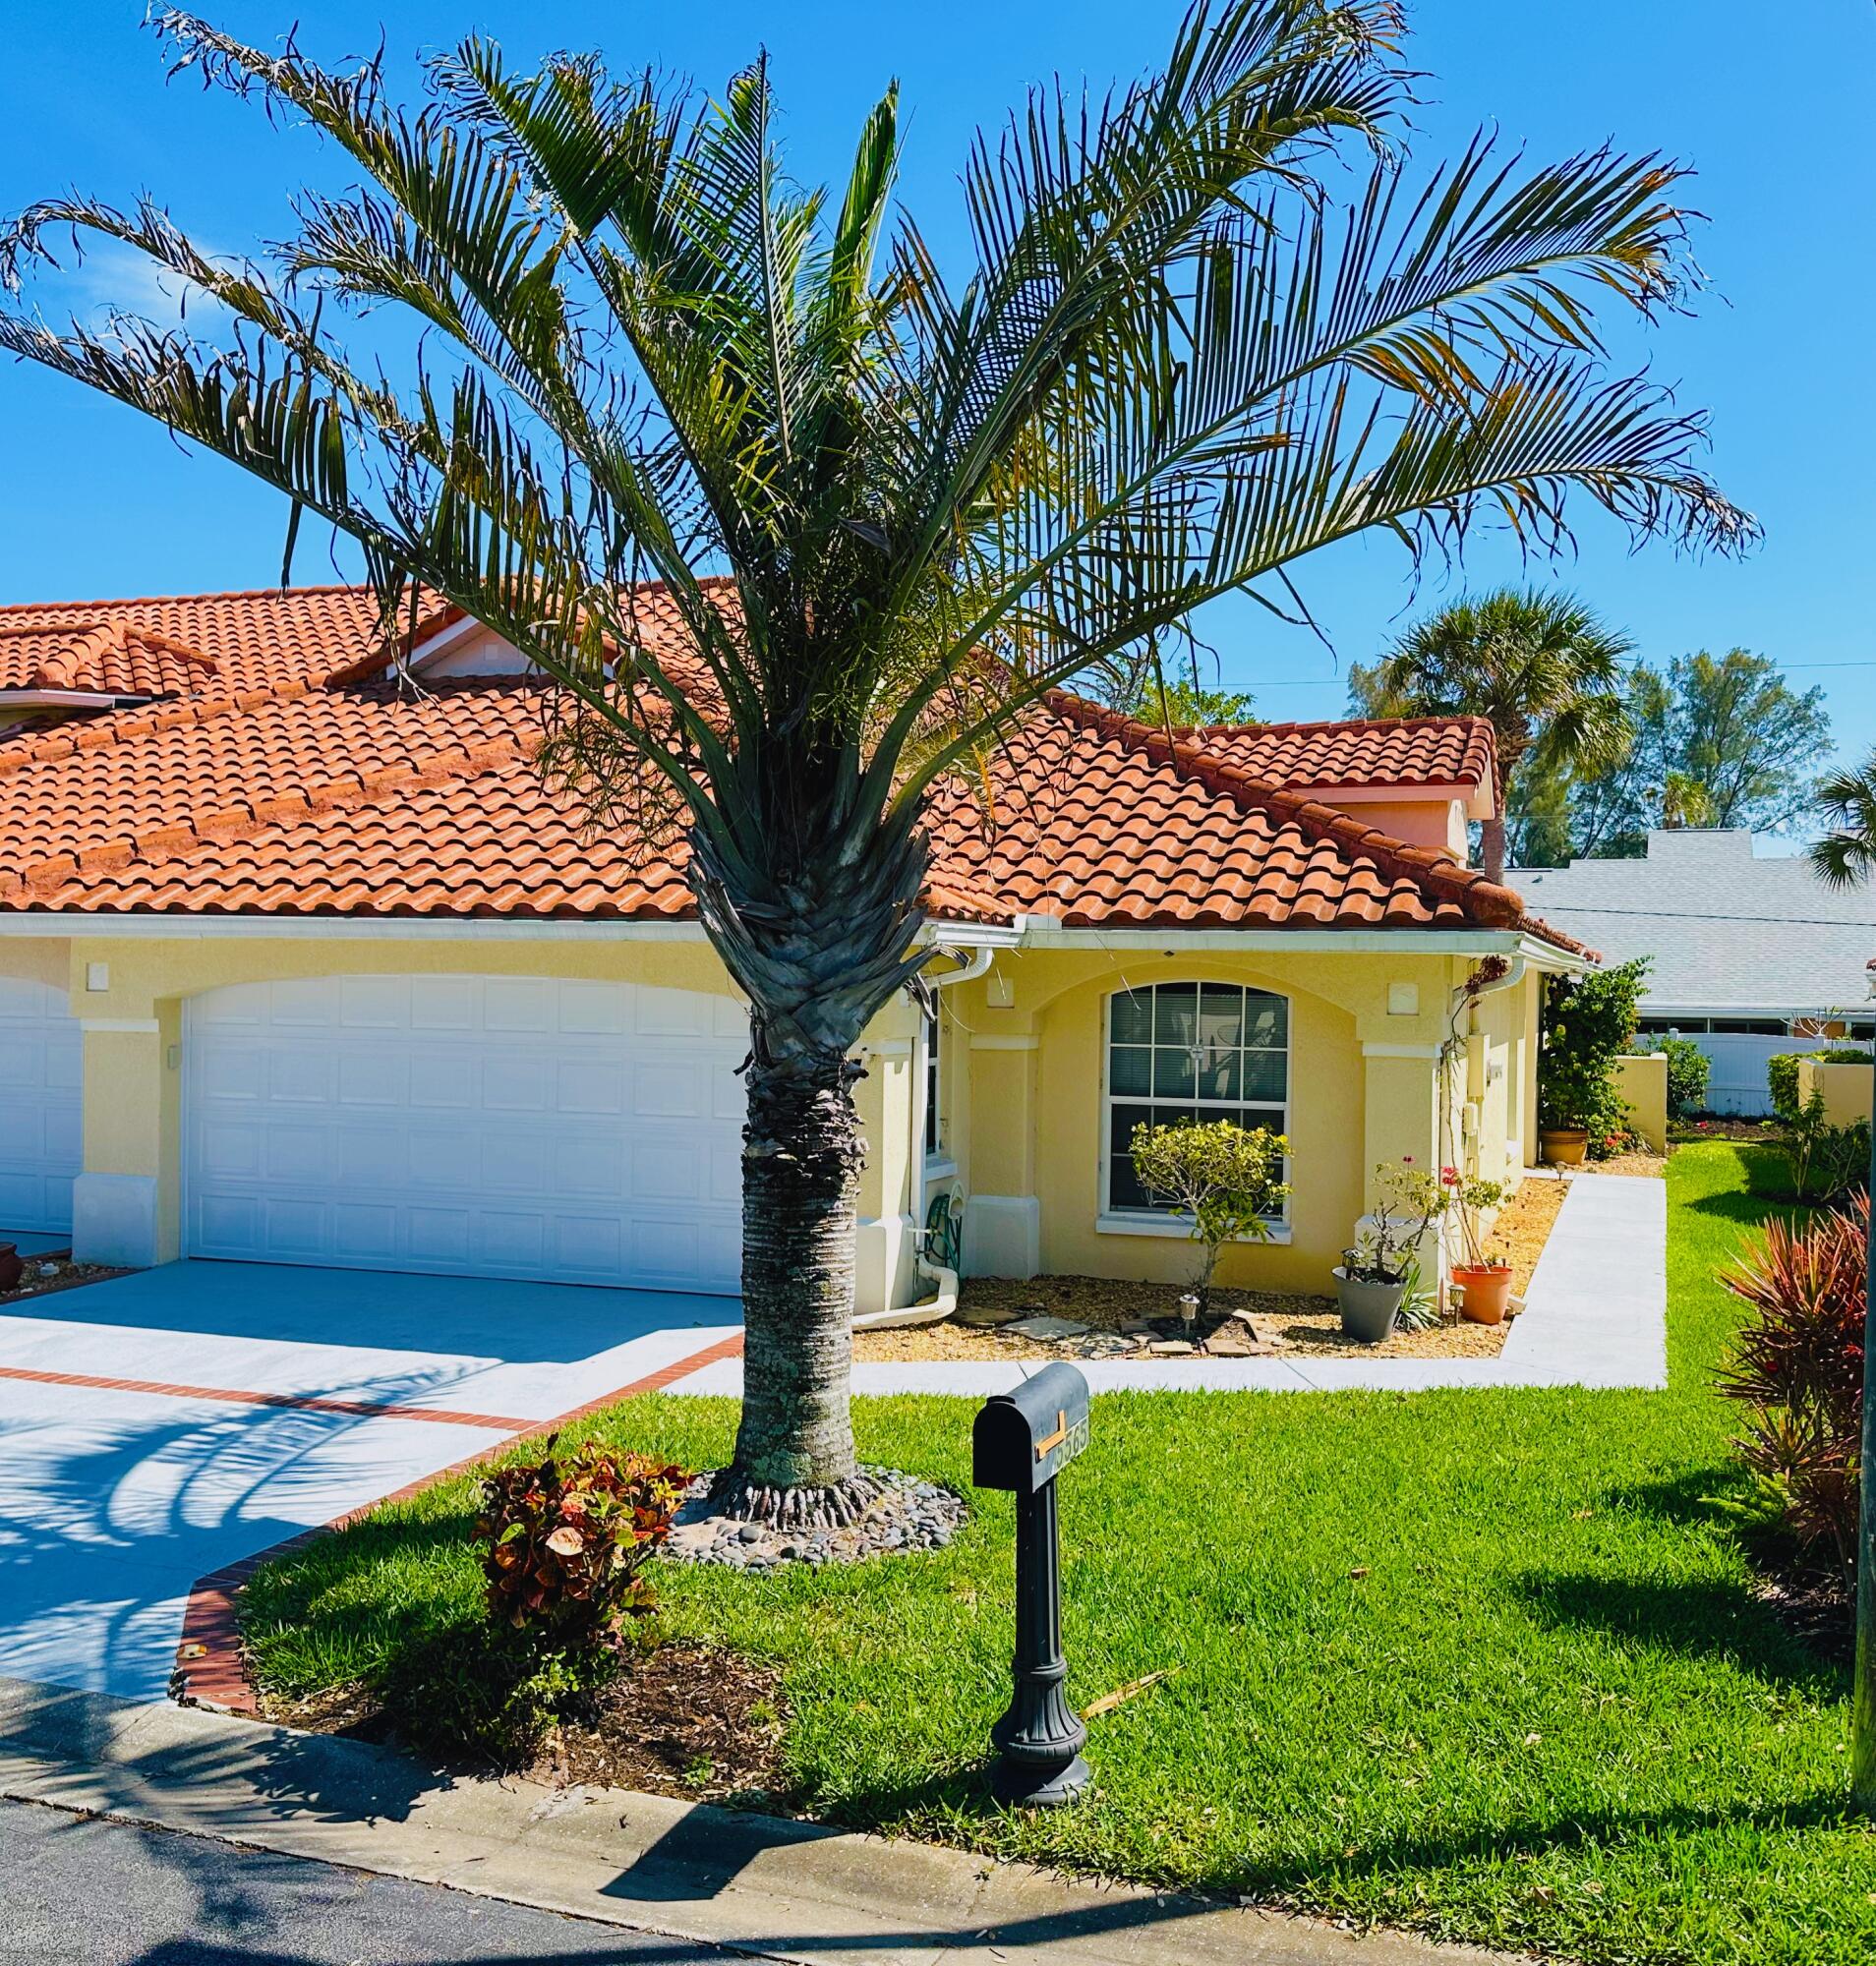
902 1514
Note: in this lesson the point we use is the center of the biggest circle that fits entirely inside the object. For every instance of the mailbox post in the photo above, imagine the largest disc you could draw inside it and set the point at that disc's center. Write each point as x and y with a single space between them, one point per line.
1020 1442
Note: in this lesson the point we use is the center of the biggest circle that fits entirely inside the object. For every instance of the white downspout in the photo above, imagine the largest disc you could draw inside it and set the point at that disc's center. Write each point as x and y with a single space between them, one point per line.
936 1309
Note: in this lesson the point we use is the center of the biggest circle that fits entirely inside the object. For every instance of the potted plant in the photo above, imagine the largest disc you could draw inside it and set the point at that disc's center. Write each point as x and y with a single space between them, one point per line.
1484 1281
1376 1274
1588 1022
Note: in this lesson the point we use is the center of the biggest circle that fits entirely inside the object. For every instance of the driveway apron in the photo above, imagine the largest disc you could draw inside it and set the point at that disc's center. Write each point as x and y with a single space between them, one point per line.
158 1426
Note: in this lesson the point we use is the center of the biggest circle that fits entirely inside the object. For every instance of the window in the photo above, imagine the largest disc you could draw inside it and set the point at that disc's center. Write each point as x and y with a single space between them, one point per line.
934 1078
1751 1028
1670 1026
1191 1051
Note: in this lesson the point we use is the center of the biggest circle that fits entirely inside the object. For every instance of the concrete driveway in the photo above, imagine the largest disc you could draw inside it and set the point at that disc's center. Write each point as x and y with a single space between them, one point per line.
160 1426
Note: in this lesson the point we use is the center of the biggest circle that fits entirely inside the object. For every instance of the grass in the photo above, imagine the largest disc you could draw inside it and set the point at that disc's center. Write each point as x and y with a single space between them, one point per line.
1484 1663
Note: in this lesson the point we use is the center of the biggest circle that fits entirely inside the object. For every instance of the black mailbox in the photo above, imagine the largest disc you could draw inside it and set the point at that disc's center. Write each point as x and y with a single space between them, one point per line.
1021 1441
1024 1439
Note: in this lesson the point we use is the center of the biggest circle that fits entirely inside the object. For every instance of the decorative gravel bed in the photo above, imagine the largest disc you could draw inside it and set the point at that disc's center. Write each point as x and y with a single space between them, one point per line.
902 1514
43 1275
998 1317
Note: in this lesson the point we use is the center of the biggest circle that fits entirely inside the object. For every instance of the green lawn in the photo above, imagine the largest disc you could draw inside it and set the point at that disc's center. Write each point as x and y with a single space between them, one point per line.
1548 1715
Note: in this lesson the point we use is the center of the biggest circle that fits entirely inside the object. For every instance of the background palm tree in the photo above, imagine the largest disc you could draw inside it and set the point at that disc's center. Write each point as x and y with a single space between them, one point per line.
1846 856
1539 667
1172 366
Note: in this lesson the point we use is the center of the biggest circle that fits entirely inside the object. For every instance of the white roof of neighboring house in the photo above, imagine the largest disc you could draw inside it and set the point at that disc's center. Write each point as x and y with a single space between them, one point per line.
1728 929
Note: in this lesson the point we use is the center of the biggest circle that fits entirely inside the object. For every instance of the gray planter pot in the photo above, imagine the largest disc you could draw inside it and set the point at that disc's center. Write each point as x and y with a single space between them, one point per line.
1367 1309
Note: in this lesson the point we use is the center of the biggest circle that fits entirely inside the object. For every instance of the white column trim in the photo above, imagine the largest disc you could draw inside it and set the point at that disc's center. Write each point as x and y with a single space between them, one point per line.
1401 1051
147 1026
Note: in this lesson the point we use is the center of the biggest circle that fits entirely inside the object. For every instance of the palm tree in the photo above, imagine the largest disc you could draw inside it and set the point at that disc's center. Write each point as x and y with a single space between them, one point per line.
1540 668
1846 856
1170 369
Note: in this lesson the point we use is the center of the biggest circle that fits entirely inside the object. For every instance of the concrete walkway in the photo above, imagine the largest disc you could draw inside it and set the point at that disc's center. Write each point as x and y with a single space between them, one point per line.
160 1426
1596 1314
753 1885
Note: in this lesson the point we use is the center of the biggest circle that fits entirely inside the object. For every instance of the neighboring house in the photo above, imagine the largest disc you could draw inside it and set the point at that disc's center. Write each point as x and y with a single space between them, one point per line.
302 963
1739 945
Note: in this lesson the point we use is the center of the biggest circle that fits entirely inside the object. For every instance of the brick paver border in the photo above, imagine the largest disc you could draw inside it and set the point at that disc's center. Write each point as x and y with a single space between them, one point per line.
208 1665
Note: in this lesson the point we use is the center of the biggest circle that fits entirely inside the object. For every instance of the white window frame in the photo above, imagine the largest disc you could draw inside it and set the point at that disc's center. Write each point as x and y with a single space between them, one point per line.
939 1162
1112 1221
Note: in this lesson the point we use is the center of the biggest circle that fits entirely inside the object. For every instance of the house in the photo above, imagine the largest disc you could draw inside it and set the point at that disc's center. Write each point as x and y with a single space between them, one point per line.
301 962
1741 945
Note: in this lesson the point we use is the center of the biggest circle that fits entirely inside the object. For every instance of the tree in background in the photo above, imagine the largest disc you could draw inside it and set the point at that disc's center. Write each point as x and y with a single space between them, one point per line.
1168 360
1847 806
1541 668
1185 706
1720 741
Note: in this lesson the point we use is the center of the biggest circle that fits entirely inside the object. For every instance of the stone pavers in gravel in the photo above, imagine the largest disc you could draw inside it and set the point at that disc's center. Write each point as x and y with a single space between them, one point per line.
1596 1314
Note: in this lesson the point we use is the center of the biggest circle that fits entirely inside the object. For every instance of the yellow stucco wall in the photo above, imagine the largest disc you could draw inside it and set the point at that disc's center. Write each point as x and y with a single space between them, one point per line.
1641 1081
1022 1070
1847 1090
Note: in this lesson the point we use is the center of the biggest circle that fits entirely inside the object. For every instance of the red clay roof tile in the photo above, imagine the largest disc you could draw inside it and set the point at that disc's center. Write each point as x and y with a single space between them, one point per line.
280 786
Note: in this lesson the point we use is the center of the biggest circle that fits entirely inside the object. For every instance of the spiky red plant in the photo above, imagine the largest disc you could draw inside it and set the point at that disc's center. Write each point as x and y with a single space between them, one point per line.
1799 1365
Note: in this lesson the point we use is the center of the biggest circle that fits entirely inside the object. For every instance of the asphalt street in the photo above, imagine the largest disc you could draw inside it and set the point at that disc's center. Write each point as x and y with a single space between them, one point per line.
82 1891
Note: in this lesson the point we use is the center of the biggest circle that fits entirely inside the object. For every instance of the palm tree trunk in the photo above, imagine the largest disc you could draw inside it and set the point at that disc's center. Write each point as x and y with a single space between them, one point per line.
1491 846
819 945
801 1156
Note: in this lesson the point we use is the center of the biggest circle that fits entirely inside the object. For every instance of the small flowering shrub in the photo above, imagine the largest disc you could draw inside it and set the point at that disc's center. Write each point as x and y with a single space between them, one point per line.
1412 1198
1225 1177
1471 1195
564 1541
1797 1366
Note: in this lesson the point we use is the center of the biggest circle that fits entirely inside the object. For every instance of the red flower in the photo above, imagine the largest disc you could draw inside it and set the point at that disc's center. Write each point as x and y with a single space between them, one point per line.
1449 1176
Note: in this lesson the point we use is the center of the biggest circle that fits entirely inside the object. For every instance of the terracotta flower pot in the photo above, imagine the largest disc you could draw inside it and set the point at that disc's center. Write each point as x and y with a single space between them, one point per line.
11 1267
1563 1146
1486 1290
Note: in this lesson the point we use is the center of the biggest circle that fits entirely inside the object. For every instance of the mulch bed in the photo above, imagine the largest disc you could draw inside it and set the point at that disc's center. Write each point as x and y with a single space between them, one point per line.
65 1275
685 1719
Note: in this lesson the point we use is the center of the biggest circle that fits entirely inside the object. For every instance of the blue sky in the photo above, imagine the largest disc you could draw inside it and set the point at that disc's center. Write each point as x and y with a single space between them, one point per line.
1767 103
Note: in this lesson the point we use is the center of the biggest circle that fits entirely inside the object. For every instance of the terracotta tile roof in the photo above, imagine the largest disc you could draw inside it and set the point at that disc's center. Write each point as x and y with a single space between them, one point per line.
1103 821
188 644
1362 751
282 786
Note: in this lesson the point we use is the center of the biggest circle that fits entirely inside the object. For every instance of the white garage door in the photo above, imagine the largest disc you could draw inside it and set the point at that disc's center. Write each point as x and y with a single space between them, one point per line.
39 1076
503 1127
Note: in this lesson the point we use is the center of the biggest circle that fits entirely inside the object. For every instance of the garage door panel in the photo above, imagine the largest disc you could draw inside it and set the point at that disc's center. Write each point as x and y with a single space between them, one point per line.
593 1009
39 1071
669 1091
442 1082
512 1083
377 1076
375 1003
542 1132
299 1157
446 1160
303 1003
365 1232
442 1003
529 1004
372 1157
674 1014
301 1078
238 1006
